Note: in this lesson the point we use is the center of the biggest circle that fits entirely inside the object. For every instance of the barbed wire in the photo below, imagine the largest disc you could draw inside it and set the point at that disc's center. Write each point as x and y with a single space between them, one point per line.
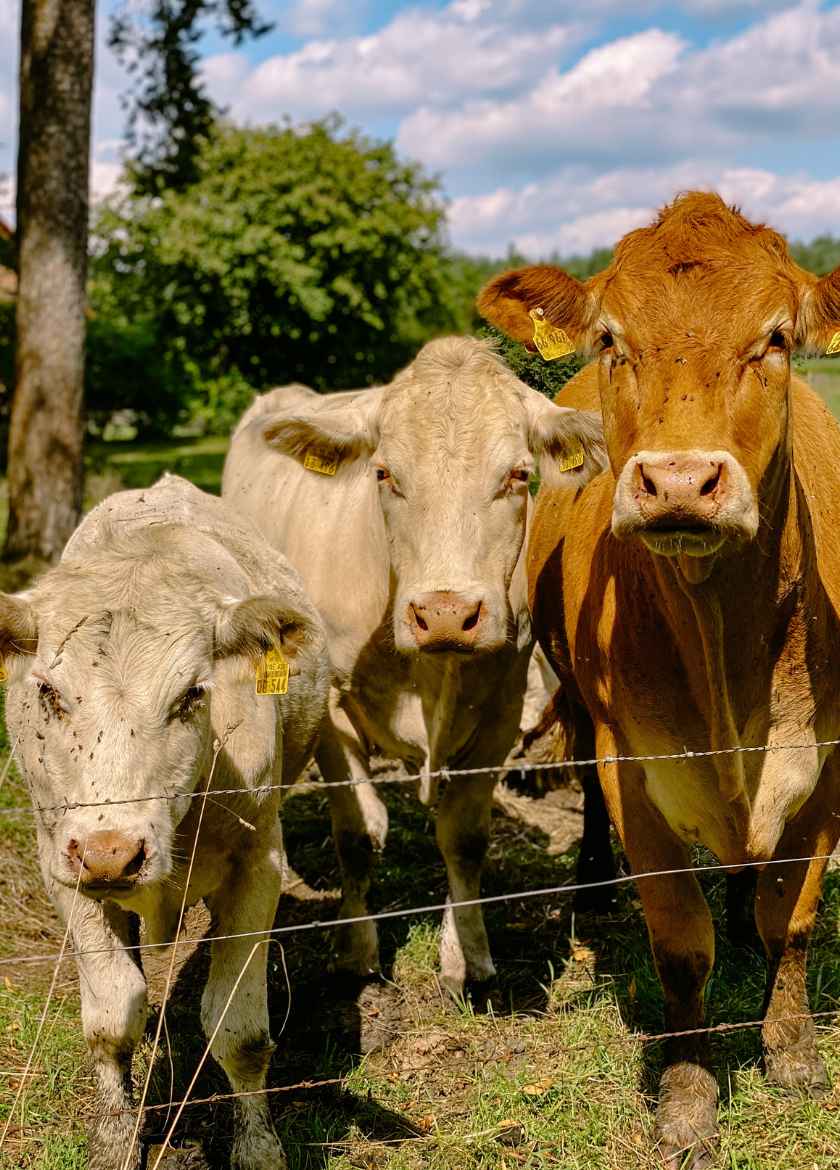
509 766
431 908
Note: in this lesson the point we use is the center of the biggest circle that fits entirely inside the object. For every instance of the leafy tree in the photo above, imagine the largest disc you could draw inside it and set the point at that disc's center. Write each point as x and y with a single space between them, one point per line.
821 256
299 253
170 113
56 80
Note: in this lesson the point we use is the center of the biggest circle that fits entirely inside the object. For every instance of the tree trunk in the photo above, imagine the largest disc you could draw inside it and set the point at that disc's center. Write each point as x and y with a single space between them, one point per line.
46 430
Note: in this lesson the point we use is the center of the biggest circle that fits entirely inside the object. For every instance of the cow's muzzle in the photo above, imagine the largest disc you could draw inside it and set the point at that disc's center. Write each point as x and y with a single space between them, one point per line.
106 861
445 620
684 503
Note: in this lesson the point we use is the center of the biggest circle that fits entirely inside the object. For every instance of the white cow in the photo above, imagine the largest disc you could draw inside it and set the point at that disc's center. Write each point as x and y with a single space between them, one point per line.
126 661
404 507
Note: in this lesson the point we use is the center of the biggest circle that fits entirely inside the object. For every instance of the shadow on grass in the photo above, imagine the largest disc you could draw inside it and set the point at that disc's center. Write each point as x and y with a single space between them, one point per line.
331 1023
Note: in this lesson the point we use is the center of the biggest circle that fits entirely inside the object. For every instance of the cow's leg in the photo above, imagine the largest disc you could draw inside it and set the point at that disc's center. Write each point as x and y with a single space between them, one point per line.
463 834
596 863
113 1000
787 898
360 826
682 940
246 904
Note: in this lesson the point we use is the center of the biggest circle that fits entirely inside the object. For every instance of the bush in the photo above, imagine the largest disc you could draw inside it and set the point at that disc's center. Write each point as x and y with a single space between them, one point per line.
299 254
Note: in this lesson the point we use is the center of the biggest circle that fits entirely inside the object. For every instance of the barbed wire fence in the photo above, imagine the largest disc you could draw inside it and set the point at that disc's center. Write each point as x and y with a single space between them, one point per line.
206 793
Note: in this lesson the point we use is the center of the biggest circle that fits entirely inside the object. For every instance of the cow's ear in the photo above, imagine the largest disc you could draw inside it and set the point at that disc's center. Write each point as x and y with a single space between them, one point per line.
327 434
250 627
818 327
18 625
509 300
568 443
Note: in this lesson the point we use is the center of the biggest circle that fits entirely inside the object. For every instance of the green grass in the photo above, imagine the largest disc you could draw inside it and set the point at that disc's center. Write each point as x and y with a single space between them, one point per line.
137 465
554 1076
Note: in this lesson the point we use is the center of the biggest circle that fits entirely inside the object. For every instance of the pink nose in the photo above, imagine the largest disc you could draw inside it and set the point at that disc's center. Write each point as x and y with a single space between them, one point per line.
106 858
680 489
445 620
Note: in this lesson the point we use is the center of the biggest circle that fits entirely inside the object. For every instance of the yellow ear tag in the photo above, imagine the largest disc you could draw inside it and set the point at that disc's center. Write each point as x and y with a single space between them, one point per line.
272 673
4 677
834 344
573 458
552 341
313 462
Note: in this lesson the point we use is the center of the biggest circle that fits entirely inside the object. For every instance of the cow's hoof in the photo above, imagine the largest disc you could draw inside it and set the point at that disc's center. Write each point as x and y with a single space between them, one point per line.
357 951
798 1068
257 1147
686 1118
112 1136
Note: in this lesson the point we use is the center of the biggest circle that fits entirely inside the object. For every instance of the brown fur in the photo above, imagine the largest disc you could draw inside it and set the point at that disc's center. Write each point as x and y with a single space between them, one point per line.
696 317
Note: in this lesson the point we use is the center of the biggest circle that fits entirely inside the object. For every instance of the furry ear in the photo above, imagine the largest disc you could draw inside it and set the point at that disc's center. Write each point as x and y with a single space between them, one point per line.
18 625
333 431
252 626
508 299
568 443
818 327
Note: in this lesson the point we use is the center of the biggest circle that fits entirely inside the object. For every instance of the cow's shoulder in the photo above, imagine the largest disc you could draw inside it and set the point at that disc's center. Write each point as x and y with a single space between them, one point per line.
816 459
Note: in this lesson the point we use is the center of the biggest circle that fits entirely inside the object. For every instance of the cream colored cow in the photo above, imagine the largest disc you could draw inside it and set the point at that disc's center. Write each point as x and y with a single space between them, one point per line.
404 507
125 663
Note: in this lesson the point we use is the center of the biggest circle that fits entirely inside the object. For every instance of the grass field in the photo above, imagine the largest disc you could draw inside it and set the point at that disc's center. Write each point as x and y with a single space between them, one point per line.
554 1075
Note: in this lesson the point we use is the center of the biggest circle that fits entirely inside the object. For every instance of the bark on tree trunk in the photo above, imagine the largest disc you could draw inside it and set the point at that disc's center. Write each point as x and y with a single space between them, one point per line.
45 435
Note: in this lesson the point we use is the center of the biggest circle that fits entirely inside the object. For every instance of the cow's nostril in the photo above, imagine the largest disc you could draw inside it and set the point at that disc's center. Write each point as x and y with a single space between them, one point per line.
647 483
712 482
471 621
423 625
135 865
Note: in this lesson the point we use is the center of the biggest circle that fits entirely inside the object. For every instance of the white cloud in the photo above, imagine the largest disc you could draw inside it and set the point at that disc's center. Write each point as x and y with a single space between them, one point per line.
604 106
577 210
420 57
315 18
652 97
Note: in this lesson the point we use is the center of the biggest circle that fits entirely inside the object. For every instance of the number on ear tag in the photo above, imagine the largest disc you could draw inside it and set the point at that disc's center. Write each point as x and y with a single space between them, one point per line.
313 462
272 673
574 456
552 341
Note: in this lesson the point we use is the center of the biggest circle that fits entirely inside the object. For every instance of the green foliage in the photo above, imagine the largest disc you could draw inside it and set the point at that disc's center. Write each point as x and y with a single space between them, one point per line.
299 253
822 255
170 113
547 377
128 367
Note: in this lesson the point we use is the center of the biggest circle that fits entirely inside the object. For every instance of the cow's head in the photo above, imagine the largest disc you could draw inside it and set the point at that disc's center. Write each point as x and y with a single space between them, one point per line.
451 444
112 662
693 325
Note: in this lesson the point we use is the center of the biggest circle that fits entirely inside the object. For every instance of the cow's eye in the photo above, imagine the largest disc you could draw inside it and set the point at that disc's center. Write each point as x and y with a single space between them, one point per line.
190 702
777 340
606 340
516 478
382 474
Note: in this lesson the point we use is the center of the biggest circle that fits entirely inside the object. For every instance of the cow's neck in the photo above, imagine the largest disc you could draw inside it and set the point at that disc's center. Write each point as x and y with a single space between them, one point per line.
733 606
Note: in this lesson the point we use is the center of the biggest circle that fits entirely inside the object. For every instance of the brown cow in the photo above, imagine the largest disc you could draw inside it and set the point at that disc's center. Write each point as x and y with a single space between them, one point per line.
696 605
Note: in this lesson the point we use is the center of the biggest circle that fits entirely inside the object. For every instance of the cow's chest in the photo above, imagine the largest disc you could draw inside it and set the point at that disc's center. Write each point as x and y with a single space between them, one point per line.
433 713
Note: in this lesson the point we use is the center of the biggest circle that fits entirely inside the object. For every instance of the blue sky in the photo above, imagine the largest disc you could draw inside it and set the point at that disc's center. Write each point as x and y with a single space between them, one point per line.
555 126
